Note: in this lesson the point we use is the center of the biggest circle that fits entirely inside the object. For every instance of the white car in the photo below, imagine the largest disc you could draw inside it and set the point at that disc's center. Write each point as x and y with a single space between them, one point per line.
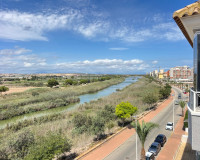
149 156
169 126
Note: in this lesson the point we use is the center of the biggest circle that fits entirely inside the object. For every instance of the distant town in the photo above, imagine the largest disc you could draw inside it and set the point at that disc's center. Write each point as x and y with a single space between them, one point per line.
177 74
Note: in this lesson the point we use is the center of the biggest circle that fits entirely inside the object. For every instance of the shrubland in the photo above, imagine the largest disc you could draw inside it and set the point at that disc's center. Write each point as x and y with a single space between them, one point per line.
78 129
43 99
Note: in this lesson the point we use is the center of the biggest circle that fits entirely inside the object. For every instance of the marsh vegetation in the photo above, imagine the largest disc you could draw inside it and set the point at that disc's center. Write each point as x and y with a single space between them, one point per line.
77 130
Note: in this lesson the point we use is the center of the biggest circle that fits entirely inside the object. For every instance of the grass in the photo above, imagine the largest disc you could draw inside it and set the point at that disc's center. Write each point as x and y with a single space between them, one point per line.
63 123
133 94
35 107
23 103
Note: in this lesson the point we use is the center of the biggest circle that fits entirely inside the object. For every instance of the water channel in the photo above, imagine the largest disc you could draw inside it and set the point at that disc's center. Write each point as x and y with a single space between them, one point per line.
83 99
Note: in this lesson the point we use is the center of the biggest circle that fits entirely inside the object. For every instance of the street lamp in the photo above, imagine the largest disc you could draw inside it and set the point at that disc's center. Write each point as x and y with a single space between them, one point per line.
173 110
136 139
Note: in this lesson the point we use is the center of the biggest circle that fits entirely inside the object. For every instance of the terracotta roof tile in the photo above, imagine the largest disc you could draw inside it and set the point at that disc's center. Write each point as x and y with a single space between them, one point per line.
190 10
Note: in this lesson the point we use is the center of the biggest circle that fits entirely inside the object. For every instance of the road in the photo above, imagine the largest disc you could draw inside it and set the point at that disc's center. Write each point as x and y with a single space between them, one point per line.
127 151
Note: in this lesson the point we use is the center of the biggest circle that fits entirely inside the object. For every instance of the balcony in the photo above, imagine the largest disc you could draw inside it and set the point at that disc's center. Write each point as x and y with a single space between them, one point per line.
194 120
194 103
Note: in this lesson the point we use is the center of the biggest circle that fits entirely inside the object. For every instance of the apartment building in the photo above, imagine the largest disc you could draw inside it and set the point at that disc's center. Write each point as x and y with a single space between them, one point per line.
181 72
155 73
188 20
161 74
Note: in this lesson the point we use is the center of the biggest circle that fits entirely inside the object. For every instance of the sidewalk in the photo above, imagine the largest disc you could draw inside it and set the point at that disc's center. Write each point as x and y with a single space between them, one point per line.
170 149
185 152
105 149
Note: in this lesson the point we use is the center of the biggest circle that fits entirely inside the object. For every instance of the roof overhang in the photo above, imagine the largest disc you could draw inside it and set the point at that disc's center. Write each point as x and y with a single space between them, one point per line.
188 20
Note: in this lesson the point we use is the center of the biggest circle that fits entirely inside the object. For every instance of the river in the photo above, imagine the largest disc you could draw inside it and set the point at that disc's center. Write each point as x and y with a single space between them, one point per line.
83 99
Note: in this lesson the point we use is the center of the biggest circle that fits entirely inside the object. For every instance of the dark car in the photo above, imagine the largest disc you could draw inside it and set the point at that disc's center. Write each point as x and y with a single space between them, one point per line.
161 138
179 96
155 148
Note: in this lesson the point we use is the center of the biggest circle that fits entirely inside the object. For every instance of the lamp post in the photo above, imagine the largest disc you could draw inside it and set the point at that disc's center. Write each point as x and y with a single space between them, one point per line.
136 139
173 110
173 114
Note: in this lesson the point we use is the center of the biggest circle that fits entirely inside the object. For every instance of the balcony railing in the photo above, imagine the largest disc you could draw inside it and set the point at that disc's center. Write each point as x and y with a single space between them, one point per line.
194 102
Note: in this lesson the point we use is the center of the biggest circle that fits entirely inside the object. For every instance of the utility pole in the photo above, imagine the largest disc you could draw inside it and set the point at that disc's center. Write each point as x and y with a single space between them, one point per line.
136 139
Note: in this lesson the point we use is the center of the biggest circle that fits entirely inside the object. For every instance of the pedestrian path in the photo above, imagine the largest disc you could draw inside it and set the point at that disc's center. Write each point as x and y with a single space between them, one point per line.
185 152
180 151
108 147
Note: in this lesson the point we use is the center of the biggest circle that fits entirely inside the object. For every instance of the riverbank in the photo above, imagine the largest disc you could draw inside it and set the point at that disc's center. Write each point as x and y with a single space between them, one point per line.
82 125
41 99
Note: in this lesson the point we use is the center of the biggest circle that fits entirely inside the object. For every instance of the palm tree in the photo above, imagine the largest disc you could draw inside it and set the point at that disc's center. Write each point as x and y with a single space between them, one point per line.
182 105
142 131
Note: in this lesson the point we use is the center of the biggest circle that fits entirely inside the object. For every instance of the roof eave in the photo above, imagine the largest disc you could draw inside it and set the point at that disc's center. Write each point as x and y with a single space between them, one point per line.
182 28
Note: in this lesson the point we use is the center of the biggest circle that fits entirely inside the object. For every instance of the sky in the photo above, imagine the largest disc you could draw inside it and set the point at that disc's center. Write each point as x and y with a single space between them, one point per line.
91 36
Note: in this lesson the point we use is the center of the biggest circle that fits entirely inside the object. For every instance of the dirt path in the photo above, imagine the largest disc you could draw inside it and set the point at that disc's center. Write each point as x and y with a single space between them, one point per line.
17 90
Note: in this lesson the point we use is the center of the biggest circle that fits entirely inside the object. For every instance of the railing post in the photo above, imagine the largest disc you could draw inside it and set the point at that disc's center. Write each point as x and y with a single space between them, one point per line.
195 101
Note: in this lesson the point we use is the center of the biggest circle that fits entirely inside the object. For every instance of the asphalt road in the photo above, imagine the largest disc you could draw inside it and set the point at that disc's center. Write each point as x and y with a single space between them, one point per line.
127 151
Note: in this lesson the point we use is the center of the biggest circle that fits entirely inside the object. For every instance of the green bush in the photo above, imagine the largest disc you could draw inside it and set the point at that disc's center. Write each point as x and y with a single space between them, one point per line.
82 123
17 147
17 126
95 125
35 93
110 125
75 82
84 81
150 99
104 78
46 148
167 86
68 82
3 89
108 113
3 154
52 82
165 91
186 118
125 110
98 125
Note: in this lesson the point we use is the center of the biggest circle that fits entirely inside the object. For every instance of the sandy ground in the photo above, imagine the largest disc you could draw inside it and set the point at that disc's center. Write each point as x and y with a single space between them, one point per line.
17 89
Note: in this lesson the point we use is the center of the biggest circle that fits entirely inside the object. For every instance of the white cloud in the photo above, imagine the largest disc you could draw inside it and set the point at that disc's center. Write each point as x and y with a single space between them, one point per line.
26 64
105 66
24 26
118 49
91 30
154 62
21 60
16 51
168 31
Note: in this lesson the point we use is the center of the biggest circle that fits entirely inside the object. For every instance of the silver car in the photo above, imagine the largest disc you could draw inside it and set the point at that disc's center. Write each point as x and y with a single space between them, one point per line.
176 102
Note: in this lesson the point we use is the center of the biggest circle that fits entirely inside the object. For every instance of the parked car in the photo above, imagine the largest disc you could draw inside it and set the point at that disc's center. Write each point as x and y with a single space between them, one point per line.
161 138
169 126
149 156
155 148
176 102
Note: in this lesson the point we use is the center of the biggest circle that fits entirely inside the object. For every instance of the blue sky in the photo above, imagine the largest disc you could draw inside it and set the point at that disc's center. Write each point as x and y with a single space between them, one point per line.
91 36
